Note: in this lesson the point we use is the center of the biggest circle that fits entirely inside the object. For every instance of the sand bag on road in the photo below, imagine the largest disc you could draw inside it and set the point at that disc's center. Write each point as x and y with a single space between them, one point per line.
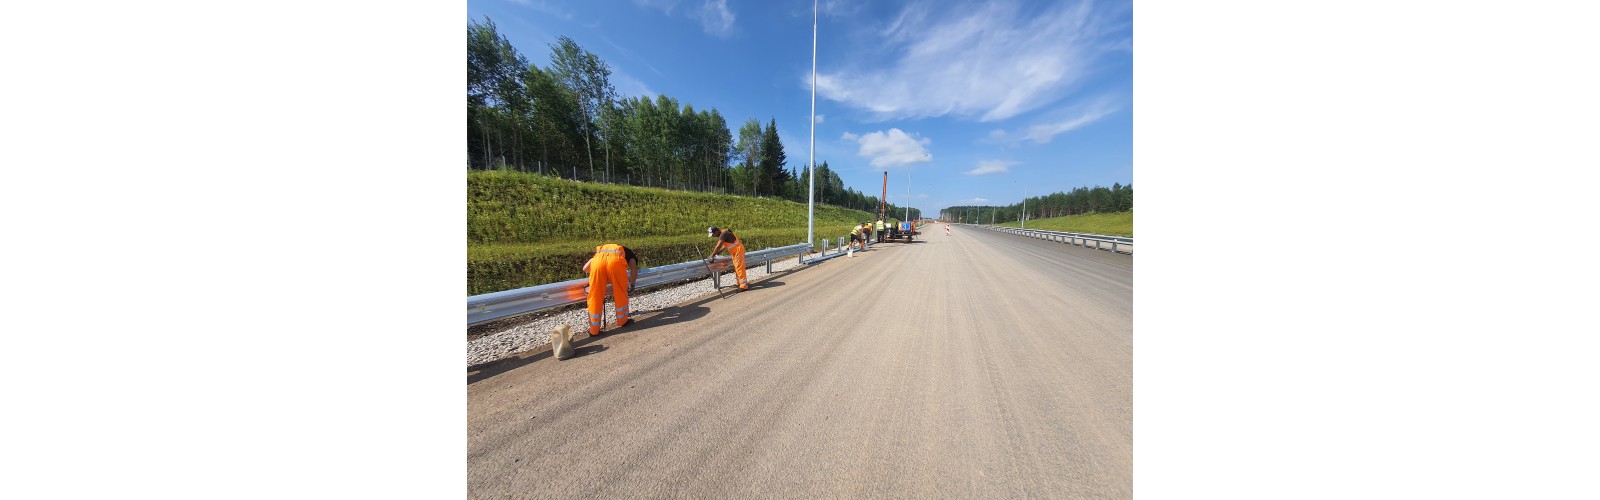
561 342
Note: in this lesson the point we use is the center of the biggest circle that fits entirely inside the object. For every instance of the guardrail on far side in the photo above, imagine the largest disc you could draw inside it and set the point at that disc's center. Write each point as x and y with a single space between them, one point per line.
1079 239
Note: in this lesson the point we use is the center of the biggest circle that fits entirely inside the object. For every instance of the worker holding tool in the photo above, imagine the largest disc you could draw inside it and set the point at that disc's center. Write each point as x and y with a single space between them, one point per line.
612 264
726 240
855 237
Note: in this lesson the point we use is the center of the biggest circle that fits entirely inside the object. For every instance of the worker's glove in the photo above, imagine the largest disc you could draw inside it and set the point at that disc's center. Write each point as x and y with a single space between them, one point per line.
709 259
630 288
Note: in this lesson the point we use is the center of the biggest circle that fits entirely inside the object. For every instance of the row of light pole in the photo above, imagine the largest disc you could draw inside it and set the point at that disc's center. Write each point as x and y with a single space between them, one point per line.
1022 218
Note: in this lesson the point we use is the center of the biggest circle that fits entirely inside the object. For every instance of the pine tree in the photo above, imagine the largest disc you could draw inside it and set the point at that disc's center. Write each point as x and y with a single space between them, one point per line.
773 160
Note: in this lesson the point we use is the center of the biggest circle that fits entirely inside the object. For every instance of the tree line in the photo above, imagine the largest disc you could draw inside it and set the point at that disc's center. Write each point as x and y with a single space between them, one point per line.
567 120
1082 200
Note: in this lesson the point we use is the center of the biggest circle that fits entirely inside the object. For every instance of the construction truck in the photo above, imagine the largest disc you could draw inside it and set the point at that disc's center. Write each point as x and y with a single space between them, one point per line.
905 231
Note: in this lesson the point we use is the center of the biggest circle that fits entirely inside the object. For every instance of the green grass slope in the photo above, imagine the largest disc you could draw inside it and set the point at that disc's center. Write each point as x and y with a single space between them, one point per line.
525 229
1112 224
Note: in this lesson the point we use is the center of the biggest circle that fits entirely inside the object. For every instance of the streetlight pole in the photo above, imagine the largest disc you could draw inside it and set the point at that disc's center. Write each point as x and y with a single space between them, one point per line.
811 187
1022 217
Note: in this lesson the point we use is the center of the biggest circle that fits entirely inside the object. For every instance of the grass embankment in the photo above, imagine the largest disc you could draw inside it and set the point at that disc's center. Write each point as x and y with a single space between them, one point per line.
525 229
1112 224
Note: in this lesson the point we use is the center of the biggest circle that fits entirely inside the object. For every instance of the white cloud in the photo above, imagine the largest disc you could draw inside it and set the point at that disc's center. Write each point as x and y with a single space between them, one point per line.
836 8
820 118
716 18
993 62
1060 121
629 86
974 201
713 15
991 167
661 5
894 147
545 7
1043 132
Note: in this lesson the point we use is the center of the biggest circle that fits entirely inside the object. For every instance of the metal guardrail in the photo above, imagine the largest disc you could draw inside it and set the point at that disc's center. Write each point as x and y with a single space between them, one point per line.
838 250
1079 239
504 304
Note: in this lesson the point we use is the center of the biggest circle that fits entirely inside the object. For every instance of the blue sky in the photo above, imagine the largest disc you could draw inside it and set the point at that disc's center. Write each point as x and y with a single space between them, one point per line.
980 101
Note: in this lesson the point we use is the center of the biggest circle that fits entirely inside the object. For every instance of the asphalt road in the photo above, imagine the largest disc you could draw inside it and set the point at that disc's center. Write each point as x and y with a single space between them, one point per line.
975 365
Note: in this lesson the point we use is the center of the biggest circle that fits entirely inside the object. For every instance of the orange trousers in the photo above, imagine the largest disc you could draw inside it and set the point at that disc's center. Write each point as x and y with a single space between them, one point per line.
737 252
607 268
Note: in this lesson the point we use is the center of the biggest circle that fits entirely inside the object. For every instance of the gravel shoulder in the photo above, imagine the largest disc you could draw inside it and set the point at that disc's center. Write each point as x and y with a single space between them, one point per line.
531 333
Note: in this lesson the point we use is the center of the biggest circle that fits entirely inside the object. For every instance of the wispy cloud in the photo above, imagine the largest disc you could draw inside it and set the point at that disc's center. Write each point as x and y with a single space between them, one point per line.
992 62
841 7
661 5
627 85
973 201
992 167
631 55
714 15
820 118
546 8
1042 133
891 148
1058 122
716 18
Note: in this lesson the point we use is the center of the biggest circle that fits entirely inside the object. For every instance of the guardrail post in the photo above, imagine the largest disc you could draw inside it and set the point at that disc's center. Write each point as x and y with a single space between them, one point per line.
1113 247
769 266
716 279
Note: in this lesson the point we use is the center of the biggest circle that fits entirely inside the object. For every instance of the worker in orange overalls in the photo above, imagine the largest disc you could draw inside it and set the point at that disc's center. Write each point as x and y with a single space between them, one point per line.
726 240
614 264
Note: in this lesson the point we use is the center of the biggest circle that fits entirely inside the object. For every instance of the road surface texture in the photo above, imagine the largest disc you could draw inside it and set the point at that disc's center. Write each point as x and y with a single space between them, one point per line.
975 365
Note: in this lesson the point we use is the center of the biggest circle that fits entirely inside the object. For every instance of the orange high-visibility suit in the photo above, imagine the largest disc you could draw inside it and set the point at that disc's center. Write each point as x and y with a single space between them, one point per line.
607 266
736 250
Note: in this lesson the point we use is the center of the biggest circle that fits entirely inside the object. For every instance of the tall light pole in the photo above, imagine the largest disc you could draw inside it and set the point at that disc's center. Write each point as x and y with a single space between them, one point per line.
811 187
1022 216
1024 206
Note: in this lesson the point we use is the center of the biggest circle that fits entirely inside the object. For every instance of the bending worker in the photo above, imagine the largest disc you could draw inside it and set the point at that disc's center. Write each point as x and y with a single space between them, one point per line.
855 237
726 240
612 264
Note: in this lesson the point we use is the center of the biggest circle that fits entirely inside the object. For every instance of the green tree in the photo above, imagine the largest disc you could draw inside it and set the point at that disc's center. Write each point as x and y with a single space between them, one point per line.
748 153
773 160
554 119
589 77
492 85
